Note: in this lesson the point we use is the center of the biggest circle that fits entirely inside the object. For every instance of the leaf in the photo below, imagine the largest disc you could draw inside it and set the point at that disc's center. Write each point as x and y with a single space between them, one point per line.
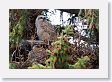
37 66
81 63
50 62
48 51
55 51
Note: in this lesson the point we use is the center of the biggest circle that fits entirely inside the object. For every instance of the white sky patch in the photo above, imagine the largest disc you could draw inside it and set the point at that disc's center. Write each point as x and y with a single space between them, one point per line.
55 18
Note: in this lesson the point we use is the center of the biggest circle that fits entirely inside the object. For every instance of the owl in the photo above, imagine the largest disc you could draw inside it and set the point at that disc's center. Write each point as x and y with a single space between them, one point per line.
45 29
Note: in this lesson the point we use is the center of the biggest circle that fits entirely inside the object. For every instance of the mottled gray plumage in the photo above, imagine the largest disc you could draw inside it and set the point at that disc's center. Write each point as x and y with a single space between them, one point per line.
45 29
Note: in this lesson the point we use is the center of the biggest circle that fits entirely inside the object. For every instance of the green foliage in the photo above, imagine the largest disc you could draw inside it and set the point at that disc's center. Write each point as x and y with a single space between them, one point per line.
16 35
50 62
81 63
92 16
48 51
68 31
37 66
12 66
60 47
58 55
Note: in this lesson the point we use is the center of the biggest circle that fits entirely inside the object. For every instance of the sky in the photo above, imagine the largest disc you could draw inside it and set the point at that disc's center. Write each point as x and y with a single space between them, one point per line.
55 18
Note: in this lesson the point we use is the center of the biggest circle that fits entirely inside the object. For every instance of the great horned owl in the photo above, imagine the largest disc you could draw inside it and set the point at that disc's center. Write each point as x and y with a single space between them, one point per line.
45 30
